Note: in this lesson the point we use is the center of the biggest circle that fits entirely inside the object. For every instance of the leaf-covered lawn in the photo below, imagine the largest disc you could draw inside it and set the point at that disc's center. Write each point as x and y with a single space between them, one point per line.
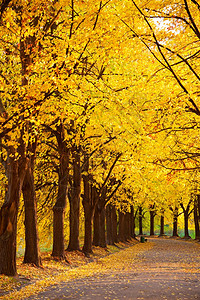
32 280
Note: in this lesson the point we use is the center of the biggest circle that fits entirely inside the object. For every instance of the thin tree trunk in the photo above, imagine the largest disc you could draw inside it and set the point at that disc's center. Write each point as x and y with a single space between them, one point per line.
114 224
90 199
140 220
196 221
175 222
127 227
186 219
198 206
59 207
109 226
74 200
99 236
152 215
96 226
102 236
133 235
121 236
162 224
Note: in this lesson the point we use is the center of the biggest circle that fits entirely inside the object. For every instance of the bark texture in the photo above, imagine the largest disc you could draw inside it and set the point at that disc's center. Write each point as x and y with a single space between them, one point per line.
152 216
140 220
162 224
74 200
175 222
15 172
32 253
111 225
59 207
121 235
133 217
186 212
99 236
90 199
196 219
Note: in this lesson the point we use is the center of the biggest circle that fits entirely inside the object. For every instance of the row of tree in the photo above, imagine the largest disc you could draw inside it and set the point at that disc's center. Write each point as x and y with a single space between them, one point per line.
79 124
58 135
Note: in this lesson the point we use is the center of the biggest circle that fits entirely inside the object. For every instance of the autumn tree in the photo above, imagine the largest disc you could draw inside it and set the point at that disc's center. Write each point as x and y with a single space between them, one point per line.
186 212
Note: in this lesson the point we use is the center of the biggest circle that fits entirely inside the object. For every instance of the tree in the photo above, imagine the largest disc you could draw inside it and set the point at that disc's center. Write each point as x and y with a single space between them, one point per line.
105 192
140 216
152 216
37 90
60 205
90 198
186 211
162 224
175 220
32 253
74 200
111 224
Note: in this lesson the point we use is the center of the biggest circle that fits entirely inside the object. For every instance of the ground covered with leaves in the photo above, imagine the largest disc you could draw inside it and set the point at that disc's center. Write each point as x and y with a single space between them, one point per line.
31 279
161 268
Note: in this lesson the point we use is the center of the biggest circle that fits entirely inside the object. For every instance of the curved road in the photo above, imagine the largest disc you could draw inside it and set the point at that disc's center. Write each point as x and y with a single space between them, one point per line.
169 270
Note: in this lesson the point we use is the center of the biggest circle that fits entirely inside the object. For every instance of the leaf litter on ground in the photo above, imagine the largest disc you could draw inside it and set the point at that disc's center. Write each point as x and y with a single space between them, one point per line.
32 280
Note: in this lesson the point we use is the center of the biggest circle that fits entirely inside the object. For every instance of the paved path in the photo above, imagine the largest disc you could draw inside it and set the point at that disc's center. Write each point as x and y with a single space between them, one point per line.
169 270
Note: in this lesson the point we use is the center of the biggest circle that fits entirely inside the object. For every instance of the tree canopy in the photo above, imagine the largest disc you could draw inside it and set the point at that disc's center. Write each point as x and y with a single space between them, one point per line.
99 105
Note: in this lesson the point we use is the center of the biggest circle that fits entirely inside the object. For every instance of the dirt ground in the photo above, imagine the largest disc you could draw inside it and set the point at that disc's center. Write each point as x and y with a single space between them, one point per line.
169 269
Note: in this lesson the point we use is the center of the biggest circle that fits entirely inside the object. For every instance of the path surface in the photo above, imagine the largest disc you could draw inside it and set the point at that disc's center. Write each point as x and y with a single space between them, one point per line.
169 270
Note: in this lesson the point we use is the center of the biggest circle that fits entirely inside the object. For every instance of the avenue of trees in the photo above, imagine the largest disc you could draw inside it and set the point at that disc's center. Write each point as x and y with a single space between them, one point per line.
99 116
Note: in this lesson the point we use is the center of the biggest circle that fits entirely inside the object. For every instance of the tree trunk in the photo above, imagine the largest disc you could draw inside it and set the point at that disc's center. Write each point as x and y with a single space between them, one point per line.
175 222
58 232
8 214
186 229
196 221
133 235
99 237
74 201
59 207
111 224
87 246
140 220
198 206
152 212
90 199
127 226
109 227
114 224
121 236
32 253
162 224
96 227
15 172
186 212
102 236
152 215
